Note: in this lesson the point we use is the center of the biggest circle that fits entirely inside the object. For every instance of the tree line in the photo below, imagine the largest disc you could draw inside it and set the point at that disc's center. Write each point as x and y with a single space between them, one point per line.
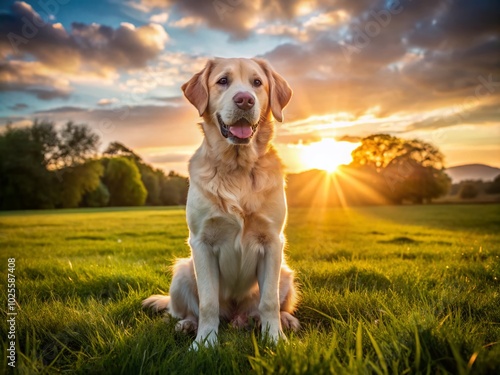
470 189
43 168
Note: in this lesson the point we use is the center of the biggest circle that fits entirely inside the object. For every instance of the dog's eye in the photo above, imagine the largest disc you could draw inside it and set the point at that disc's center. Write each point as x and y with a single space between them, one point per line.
222 81
257 82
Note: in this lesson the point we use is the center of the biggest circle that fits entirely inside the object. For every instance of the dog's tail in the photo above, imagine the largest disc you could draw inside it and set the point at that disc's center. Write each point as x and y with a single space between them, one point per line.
157 302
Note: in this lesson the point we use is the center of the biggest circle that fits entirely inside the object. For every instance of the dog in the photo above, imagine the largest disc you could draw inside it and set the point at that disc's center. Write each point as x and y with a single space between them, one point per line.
236 208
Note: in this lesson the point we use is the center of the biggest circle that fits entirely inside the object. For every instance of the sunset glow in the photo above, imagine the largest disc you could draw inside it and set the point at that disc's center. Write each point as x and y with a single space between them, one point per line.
326 154
354 71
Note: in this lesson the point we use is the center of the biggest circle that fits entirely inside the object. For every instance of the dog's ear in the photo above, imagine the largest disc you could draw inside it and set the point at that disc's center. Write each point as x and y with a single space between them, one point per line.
279 91
196 89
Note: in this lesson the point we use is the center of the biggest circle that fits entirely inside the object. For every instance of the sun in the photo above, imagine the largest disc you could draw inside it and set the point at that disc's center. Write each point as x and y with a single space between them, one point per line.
327 154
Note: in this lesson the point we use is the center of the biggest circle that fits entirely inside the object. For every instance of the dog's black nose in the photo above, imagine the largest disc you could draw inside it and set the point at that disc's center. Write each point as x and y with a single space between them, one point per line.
244 100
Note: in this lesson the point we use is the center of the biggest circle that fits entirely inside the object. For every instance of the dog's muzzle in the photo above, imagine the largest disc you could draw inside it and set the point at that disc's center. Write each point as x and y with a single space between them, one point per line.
240 132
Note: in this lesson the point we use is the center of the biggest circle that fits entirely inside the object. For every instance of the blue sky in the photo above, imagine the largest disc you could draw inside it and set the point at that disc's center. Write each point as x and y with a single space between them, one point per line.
426 69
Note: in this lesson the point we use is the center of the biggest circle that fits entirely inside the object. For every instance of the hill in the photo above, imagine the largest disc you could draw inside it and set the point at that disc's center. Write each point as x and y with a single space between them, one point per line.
472 172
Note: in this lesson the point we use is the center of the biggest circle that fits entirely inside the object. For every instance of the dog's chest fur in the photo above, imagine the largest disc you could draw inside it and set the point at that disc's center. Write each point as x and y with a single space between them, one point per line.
239 187
242 219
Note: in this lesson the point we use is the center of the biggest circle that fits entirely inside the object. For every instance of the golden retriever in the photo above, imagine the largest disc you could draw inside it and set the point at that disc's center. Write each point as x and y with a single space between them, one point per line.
236 207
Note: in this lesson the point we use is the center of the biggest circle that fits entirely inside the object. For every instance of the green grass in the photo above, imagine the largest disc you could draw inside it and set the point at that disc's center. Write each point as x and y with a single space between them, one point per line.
386 290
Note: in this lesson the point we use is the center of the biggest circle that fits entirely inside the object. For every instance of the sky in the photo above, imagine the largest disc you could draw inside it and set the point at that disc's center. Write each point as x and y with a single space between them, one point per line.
424 69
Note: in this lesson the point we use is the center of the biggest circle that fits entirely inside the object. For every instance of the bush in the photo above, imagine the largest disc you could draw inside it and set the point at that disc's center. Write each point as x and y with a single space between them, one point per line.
98 197
494 188
124 182
468 191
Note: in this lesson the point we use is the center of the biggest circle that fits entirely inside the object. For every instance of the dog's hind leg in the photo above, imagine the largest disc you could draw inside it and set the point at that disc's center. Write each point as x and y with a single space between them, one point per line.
183 291
288 296
183 300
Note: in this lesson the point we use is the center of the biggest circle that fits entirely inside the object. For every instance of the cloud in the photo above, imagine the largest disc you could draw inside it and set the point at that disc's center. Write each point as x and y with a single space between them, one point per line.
349 138
374 61
480 115
186 22
171 70
159 18
236 17
169 158
85 52
137 126
18 106
107 101
33 78
67 111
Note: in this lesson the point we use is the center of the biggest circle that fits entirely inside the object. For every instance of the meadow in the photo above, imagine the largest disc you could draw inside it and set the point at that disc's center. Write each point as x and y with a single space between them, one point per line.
385 290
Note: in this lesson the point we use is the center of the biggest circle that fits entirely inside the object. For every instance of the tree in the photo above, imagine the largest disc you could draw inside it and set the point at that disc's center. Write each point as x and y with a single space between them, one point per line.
494 187
412 169
119 149
174 189
99 197
468 191
25 182
377 151
42 168
151 179
45 135
123 181
79 180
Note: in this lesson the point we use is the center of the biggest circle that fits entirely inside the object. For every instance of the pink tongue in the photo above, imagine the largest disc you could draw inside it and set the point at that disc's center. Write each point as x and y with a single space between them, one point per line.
241 131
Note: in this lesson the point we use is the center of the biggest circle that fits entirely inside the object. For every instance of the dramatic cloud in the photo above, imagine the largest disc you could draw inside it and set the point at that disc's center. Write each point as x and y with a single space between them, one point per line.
378 64
33 78
171 70
237 17
142 126
484 115
85 51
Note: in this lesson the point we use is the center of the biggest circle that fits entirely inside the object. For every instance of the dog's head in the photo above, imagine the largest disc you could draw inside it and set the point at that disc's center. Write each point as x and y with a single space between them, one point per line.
237 95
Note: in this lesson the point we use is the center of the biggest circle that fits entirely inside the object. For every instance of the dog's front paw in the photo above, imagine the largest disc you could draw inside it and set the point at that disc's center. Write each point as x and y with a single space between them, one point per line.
207 340
276 336
273 332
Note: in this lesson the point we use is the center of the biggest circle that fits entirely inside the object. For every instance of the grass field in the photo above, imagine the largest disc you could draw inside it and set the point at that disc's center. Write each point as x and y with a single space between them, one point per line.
387 290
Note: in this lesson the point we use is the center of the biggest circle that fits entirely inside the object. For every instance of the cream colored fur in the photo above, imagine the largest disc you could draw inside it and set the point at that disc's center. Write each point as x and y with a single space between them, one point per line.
236 211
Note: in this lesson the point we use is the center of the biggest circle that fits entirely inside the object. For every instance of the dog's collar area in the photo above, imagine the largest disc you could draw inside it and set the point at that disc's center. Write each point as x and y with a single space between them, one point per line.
226 132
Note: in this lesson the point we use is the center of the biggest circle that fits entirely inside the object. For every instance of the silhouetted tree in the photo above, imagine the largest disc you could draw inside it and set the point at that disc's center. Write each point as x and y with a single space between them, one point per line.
468 191
494 187
119 149
25 182
411 169
76 145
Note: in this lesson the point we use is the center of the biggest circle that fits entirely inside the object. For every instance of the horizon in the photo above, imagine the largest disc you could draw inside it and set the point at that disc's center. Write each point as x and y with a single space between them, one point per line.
404 68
